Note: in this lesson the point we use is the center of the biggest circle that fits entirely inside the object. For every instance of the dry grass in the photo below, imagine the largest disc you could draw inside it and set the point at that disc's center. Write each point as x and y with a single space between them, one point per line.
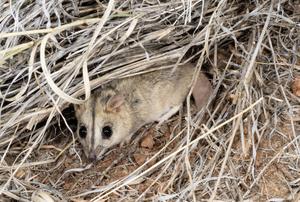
244 145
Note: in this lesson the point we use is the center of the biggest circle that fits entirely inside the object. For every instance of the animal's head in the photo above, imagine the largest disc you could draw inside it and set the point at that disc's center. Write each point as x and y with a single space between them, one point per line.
103 121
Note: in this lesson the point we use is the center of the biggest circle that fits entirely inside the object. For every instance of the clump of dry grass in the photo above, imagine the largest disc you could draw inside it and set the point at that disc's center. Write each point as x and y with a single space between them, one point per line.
53 52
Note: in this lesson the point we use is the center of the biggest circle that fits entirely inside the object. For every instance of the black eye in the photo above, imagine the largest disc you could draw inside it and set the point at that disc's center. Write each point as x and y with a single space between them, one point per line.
82 131
106 132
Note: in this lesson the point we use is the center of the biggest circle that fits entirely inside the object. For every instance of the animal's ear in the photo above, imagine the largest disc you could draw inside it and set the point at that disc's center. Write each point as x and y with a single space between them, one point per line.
78 108
114 103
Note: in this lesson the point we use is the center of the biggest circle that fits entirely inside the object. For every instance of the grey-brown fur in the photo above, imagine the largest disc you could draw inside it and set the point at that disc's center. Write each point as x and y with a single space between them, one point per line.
144 98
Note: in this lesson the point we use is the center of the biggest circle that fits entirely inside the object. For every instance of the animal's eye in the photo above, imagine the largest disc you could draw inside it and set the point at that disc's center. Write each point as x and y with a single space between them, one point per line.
106 132
82 131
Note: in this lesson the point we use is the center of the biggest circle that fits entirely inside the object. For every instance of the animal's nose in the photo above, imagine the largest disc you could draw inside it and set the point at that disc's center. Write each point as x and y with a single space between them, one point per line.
92 157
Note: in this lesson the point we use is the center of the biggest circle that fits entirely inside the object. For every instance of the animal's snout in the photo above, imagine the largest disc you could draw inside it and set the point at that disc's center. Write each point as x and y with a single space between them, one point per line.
94 154
92 157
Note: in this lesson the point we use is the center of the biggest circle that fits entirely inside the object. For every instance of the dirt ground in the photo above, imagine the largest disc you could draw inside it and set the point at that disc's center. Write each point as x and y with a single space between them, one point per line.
65 176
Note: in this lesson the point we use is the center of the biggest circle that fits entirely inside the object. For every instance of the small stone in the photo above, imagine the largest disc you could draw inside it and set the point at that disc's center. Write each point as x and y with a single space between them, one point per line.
296 86
148 142
140 159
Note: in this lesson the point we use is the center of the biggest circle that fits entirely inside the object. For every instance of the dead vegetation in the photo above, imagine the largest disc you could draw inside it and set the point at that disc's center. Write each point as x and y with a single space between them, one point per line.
244 145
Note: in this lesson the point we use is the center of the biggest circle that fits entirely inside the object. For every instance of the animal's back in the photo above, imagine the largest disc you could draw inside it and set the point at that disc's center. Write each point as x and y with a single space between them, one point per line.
153 94
117 109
